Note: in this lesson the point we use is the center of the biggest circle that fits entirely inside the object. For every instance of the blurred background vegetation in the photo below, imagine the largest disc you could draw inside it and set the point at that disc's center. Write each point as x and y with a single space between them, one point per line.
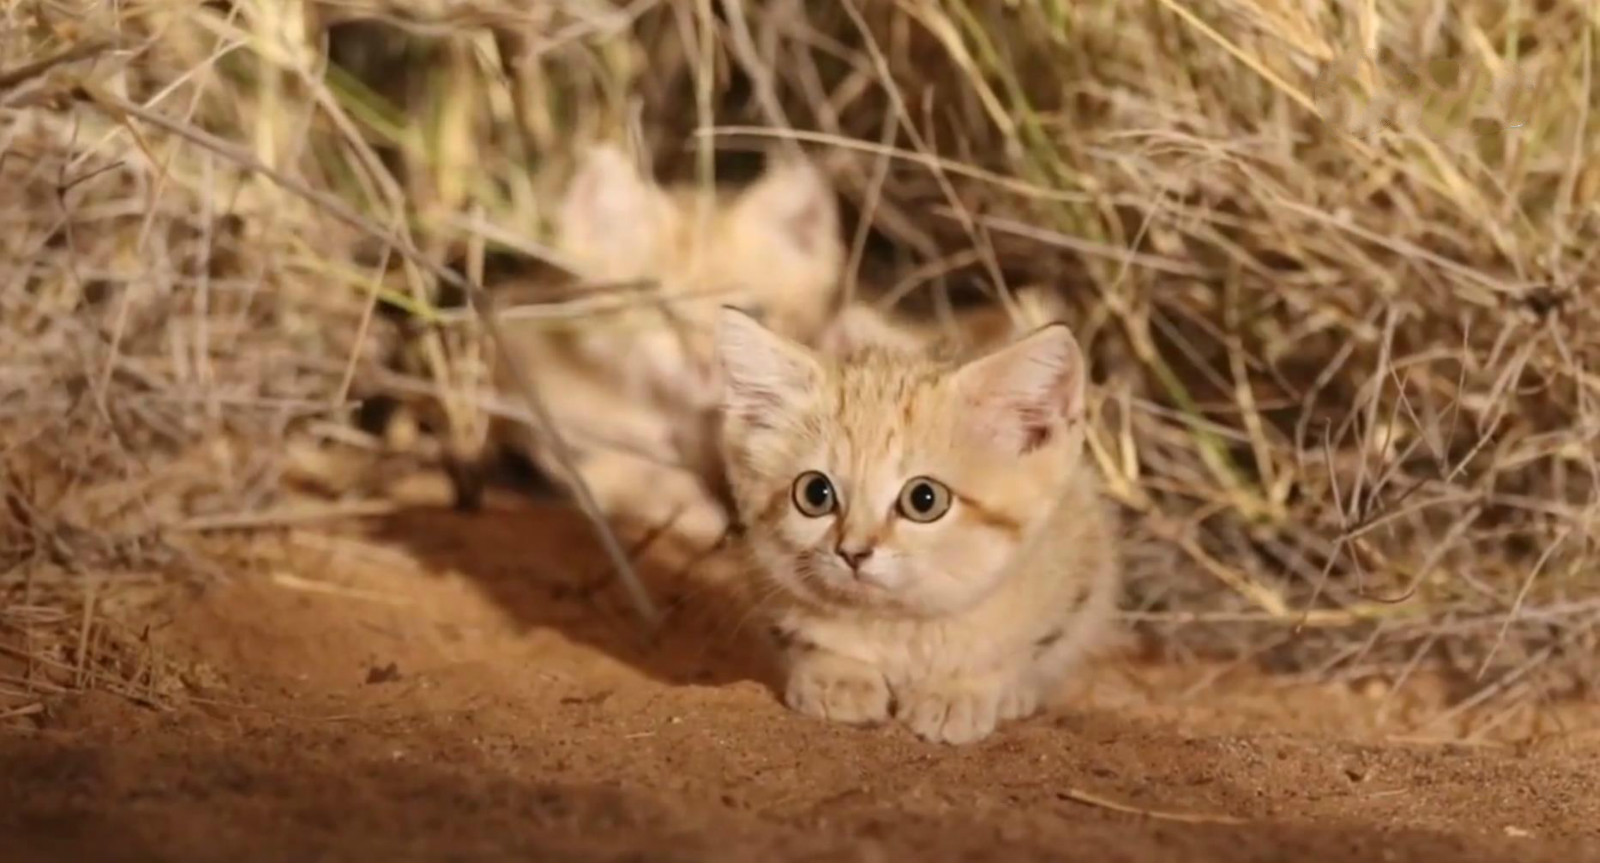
1333 262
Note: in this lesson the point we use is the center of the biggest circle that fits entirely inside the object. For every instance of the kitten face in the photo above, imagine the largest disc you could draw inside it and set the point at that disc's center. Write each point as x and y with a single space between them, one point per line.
894 483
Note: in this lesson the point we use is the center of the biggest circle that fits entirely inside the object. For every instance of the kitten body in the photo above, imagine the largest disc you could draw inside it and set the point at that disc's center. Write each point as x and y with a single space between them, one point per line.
962 560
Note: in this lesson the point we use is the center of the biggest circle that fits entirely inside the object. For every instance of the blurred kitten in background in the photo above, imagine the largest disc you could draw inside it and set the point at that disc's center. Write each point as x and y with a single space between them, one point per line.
632 383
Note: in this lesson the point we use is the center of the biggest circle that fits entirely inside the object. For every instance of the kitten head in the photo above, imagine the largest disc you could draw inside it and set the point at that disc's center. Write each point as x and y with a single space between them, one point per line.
896 483
772 247
777 243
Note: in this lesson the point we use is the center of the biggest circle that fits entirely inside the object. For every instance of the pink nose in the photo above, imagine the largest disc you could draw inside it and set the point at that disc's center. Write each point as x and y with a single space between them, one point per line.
853 556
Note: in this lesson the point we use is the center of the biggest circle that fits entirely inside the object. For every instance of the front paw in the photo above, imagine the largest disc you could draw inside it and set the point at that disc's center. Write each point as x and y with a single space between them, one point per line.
1019 701
956 714
837 689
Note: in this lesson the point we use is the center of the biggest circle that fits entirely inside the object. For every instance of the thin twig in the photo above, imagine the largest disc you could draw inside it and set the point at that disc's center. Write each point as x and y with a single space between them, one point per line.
1078 795
25 710
28 71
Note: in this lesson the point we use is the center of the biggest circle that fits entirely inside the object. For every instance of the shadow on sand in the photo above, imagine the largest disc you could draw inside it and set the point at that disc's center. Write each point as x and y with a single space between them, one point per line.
540 561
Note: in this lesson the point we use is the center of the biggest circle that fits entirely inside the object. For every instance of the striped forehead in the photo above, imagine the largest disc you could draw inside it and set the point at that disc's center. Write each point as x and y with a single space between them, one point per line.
876 407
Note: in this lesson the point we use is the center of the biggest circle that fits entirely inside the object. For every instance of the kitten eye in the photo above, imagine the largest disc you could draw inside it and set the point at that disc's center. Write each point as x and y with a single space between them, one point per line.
924 500
813 494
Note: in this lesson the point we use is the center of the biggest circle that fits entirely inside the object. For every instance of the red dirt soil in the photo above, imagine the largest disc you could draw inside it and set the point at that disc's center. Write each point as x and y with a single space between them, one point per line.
466 687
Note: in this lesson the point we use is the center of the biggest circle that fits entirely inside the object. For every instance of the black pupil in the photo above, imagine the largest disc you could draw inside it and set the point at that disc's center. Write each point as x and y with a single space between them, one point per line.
817 492
922 497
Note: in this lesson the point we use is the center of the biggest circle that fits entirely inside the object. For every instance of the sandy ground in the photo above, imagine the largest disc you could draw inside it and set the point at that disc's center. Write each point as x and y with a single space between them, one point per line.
463 687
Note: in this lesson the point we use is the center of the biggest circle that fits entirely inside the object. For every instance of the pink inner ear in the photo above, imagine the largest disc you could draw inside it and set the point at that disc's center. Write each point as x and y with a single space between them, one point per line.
761 408
604 202
805 225
765 377
606 195
1038 427
584 192
1029 393
1020 426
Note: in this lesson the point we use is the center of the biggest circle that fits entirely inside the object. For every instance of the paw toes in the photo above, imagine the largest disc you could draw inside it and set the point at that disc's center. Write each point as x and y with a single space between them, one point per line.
954 719
970 719
926 716
856 701
846 699
1018 703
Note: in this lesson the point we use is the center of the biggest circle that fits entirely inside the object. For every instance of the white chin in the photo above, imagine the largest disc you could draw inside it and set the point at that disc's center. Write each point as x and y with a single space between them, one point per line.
876 582
843 586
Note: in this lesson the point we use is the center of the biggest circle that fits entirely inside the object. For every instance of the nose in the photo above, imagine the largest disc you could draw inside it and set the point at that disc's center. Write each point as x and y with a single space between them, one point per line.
854 556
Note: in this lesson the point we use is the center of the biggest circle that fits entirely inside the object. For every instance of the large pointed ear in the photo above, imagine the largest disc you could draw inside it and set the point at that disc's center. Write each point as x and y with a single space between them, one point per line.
1028 393
792 207
609 209
764 374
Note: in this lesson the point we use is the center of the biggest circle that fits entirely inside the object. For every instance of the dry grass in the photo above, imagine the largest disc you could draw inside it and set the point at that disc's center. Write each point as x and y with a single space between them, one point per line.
1332 261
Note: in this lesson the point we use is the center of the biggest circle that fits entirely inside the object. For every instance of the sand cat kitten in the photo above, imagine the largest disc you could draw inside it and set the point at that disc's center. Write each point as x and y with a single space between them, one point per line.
939 550
629 386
